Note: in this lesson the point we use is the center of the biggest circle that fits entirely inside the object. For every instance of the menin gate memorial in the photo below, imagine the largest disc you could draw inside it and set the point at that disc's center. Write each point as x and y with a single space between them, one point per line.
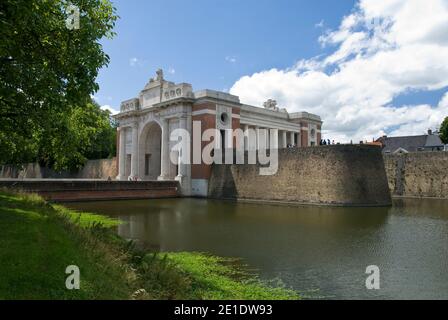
147 121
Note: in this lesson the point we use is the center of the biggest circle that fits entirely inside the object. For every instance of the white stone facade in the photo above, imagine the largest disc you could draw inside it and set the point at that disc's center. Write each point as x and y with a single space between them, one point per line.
146 122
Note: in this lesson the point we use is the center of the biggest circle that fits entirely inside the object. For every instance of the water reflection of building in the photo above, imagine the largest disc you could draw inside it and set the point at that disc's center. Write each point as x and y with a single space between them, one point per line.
140 229
160 227
191 224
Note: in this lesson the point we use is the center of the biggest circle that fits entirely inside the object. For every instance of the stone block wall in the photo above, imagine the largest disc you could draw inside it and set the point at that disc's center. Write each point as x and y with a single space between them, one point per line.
330 175
94 169
419 174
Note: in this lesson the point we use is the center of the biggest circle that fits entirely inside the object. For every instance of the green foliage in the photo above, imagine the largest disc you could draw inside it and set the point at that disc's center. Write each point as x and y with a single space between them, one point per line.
47 75
103 141
444 131
84 133
39 240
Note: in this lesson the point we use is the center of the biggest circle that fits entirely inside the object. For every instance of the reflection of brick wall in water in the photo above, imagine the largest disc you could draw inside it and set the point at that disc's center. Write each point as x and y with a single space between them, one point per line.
338 175
94 169
418 174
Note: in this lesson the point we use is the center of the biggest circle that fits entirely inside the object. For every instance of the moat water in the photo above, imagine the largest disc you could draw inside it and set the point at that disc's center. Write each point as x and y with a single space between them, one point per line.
322 252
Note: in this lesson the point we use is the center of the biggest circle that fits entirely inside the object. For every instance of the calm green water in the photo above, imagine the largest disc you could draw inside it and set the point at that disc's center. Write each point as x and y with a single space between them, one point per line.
317 250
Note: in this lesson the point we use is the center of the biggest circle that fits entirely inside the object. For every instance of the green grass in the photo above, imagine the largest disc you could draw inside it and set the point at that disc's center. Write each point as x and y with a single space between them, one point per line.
217 278
85 219
39 240
37 244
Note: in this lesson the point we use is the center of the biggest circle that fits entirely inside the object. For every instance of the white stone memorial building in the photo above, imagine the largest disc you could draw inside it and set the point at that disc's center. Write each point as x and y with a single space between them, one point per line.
147 121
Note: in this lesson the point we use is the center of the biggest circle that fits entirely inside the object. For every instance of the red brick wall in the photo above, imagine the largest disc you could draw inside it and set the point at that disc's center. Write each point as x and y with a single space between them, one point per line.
70 196
304 138
235 124
208 121
85 190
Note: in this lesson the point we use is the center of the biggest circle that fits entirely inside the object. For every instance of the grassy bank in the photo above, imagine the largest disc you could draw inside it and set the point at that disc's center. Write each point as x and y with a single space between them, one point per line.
39 240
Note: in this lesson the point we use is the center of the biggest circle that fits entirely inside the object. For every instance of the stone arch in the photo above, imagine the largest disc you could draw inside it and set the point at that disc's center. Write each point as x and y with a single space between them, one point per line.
150 147
148 120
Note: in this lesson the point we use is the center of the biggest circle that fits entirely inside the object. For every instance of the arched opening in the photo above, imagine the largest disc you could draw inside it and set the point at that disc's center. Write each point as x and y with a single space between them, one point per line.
150 144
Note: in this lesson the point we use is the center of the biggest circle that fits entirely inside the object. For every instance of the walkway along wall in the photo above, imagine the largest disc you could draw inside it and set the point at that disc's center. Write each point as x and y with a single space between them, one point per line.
329 175
419 174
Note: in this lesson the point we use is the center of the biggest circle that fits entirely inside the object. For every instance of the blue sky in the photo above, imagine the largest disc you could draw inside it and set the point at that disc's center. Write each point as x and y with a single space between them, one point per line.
367 67
211 43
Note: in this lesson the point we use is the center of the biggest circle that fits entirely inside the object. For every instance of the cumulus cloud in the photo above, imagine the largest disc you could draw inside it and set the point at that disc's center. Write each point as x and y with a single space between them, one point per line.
230 59
112 110
133 62
137 62
383 49
444 102
320 24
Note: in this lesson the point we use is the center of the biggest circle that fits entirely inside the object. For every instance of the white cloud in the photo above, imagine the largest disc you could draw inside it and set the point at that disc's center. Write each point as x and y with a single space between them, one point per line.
112 110
230 59
133 62
137 62
444 101
320 24
171 70
384 48
98 99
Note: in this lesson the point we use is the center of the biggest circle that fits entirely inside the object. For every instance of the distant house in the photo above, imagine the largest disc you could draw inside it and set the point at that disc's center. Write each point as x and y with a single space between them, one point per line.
406 144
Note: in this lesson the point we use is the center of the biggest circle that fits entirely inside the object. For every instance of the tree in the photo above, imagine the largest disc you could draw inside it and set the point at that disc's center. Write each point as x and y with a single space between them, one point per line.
47 75
103 143
444 131
87 132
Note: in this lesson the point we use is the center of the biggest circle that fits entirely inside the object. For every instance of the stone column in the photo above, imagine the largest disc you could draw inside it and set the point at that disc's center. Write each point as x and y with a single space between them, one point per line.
267 138
293 138
284 140
122 154
134 155
182 166
273 144
257 140
165 150
246 137
261 138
